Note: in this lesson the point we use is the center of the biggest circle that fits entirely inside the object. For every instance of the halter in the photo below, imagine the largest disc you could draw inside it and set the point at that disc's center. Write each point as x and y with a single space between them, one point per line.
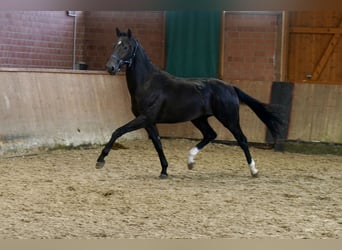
127 61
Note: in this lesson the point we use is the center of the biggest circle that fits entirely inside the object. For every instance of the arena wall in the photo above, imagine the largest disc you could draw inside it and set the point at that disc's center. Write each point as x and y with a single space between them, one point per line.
316 114
48 108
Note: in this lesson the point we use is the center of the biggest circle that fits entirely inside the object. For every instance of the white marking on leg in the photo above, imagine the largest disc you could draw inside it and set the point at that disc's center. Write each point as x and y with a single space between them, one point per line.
254 171
193 152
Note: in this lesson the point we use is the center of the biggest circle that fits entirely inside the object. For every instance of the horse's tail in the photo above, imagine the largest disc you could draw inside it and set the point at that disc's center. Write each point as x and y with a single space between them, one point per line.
267 113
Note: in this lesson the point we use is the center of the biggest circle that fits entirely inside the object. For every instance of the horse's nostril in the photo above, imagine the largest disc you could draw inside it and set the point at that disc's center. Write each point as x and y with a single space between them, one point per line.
112 68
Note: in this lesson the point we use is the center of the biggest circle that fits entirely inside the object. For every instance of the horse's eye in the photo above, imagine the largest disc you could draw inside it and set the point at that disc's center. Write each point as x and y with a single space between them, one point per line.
126 48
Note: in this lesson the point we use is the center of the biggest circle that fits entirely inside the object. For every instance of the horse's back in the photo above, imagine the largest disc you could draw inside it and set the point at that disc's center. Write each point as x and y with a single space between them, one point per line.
180 99
185 99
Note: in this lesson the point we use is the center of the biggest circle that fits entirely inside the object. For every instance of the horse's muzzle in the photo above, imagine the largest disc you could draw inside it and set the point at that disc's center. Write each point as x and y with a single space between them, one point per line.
112 69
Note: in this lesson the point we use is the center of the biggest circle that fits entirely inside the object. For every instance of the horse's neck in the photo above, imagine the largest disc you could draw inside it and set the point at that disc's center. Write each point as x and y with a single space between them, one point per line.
140 70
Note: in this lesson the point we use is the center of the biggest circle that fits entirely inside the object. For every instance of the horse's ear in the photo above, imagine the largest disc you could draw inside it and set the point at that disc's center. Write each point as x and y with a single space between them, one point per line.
129 33
118 32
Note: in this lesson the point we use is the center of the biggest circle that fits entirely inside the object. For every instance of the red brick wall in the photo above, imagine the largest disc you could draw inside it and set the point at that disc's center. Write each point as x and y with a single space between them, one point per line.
250 46
80 37
45 39
36 39
147 27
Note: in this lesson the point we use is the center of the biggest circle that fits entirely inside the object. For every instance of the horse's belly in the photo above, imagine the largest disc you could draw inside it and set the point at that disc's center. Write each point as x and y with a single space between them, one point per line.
176 114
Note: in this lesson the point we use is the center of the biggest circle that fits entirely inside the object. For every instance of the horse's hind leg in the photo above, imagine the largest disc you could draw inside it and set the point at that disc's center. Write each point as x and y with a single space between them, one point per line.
154 136
234 127
208 135
242 141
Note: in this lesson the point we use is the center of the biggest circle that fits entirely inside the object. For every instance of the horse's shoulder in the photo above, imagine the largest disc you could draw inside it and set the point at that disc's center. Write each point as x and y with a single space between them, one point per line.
160 77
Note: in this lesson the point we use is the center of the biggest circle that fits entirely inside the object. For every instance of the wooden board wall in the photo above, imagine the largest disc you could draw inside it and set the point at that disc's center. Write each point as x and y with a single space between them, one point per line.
316 113
315 47
39 109
45 108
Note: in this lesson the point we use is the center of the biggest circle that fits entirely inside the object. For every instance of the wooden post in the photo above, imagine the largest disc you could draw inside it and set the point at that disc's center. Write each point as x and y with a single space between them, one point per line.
281 95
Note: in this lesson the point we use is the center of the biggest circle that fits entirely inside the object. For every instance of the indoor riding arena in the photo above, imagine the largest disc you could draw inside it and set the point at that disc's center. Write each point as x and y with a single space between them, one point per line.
59 108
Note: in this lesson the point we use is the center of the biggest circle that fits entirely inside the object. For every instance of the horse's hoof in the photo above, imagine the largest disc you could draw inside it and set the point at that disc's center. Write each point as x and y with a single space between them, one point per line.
100 164
163 176
255 175
191 165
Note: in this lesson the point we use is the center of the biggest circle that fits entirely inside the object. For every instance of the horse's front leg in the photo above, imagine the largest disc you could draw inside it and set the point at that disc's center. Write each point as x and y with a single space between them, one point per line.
137 123
154 136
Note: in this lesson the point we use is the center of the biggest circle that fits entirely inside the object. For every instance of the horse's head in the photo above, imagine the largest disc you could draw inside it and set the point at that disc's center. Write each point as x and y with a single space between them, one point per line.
123 51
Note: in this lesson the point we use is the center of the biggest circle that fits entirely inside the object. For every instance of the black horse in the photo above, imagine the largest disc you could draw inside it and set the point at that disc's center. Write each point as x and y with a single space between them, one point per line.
158 97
